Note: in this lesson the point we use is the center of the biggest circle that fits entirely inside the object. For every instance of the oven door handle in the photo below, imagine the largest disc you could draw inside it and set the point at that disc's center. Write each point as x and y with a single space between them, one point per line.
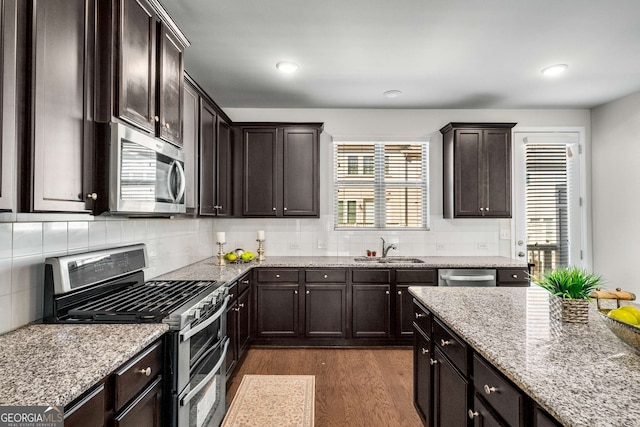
191 332
185 400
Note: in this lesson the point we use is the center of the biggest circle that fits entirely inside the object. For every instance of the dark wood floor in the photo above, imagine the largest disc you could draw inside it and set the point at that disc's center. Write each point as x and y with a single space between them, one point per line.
354 387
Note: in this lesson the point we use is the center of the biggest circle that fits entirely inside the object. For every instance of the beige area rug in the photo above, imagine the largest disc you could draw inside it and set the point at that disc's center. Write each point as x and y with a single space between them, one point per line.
273 400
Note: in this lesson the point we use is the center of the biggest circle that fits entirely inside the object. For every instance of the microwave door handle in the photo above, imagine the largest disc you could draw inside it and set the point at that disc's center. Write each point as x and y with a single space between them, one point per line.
169 175
185 400
183 180
210 320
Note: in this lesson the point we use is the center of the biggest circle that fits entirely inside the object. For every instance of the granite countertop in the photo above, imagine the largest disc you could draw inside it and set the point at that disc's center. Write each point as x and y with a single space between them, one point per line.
54 364
583 375
208 270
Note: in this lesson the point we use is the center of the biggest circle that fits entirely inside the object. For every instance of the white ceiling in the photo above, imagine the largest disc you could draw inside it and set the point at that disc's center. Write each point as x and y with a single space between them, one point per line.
439 53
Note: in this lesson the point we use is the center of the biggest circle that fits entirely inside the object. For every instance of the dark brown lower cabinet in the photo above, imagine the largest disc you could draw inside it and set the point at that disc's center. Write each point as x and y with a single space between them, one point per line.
482 416
88 412
277 310
145 410
231 358
371 310
423 378
244 315
326 310
450 393
404 309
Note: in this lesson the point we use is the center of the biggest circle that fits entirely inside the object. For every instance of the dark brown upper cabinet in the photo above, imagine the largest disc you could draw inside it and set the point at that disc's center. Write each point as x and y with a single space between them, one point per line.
280 169
477 170
190 135
141 65
8 35
224 169
208 119
56 160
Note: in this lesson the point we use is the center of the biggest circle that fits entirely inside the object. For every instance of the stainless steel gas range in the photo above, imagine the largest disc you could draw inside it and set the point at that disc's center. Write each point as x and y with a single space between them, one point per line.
108 286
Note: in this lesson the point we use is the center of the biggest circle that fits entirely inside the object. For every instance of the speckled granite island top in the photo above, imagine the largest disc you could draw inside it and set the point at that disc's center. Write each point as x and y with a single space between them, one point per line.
583 375
54 364
208 270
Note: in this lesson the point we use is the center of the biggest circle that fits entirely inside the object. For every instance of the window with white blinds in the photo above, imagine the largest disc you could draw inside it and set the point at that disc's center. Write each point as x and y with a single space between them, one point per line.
380 185
548 190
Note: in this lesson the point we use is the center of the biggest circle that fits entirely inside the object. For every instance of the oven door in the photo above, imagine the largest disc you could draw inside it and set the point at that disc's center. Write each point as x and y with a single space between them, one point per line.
202 402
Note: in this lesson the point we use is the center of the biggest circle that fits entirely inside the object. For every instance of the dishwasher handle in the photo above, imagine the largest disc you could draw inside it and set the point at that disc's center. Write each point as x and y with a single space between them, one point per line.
454 278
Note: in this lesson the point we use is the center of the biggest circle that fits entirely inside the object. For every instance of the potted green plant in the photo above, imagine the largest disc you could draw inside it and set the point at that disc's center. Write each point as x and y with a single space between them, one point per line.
569 288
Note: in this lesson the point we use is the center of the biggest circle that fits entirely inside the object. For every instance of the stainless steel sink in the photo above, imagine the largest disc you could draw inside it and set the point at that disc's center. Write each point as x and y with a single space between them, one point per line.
389 260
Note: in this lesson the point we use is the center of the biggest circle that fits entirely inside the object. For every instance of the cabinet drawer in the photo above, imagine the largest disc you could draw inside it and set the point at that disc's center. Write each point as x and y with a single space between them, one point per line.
422 318
455 348
233 291
129 380
89 412
416 276
513 275
289 276
498 392
243 284
371 276
338 275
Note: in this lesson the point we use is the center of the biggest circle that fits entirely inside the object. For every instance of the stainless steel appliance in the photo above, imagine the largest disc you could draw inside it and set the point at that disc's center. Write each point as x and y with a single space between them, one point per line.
108 286
145 175
466 277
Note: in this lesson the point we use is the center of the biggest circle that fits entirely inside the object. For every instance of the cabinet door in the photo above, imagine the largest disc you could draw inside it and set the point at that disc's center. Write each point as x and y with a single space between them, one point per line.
497 174
423 378
137 64
62 159
277 310
371 310
259 187
301 165
482 416
89 412
243 323
191 107
207 159
404 309
326 310
171 83
224 175
232 333
468 181
144 411
450 393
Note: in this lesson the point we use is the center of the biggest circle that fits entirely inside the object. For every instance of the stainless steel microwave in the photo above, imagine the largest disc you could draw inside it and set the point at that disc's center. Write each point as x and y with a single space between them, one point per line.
146 175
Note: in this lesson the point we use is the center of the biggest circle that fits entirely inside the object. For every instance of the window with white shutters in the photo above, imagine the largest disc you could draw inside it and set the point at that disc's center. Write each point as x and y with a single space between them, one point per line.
380 185
548 190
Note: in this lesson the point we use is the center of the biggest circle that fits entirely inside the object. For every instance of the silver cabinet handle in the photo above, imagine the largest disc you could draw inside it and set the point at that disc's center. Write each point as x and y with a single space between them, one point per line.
285 209
482 209
241 305
419 315
432 362
156 118
145 372
515 276
486 209
277 275
399 292
307 292
386 292
274 209
425 351
295 292
489 390
325 276
92 196
445 342
472 413
246 282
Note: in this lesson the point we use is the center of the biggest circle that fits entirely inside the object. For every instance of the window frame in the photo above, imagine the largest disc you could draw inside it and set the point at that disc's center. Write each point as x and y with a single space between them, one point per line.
380 184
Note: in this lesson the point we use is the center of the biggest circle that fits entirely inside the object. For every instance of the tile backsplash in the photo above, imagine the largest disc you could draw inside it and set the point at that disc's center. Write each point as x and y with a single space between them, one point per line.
171 244
317 237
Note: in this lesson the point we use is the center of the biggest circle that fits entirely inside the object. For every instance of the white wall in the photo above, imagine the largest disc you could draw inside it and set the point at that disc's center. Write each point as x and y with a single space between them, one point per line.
616 191
171 244
445 237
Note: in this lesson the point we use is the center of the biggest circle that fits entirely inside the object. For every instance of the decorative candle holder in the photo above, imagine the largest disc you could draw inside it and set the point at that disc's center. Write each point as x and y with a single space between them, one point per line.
261 256
221 260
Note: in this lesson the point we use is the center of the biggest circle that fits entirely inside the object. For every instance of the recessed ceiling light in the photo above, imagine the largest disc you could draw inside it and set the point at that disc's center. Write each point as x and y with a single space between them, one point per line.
392 93
286 66
554 70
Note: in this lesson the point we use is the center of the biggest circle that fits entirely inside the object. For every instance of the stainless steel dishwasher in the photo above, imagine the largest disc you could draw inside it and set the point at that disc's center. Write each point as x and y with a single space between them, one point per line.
466 277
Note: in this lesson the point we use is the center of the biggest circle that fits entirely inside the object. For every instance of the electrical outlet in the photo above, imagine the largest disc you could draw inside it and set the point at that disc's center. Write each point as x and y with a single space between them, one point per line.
505 234
482 245
294 245
441 246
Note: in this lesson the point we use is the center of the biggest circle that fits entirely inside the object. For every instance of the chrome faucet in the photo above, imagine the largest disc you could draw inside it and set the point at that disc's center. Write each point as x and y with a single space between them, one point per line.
386 248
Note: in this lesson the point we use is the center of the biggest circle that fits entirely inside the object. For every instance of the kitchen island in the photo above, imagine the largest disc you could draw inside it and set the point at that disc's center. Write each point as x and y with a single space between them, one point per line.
582 375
